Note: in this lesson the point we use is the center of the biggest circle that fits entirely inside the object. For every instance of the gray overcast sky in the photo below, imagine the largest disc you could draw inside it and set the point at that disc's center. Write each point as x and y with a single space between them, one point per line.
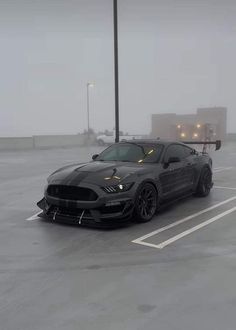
175 56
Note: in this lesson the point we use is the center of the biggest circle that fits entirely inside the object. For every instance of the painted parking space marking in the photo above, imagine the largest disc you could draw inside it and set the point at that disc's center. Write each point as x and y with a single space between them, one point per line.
34 217
217 170
141 239
193 229
222 187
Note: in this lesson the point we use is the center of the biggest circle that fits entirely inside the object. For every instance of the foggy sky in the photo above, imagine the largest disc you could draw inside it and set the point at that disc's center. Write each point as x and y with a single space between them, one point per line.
174 56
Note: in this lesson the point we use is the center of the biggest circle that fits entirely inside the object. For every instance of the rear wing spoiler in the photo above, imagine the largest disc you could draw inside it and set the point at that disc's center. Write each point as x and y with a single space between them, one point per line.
217 143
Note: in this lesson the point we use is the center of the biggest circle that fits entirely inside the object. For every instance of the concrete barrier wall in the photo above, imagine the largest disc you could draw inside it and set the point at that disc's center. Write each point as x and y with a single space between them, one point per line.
231 137
42 141
57 141
14 143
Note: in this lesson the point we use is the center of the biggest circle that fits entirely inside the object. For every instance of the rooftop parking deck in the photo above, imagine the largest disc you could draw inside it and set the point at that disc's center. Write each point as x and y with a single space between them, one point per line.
176 272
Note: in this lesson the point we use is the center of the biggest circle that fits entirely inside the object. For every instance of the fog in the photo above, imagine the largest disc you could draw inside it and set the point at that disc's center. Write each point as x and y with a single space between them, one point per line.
174 56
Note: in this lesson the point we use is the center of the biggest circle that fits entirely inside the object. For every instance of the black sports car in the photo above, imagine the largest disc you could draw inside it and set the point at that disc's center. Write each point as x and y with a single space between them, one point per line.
128 179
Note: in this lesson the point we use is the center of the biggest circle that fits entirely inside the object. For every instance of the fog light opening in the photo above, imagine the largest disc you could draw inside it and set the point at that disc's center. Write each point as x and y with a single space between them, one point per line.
112 203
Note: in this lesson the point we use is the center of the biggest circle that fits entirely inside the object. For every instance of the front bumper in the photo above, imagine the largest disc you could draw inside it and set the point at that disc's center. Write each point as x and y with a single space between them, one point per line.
110 213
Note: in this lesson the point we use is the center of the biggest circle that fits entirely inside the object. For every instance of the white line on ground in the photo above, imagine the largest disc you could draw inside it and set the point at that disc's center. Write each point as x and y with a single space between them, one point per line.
222 169
229 188
174 224
191 230
34 217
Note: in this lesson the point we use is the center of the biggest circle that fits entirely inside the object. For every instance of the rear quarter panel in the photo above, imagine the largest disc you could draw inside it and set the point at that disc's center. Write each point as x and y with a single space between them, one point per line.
202 160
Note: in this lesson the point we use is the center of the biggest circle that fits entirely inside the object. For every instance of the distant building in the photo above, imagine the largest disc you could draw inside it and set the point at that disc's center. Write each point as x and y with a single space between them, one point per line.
207 123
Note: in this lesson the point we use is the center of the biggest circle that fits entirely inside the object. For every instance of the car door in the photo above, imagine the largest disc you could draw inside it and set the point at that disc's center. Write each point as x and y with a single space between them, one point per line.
190 170
171 175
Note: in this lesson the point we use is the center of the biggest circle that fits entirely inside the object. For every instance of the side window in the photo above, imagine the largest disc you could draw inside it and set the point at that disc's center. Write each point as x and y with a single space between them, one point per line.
175 150
188 151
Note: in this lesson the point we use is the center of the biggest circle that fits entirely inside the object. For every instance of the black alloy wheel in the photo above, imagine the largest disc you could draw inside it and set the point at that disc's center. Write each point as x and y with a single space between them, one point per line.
205 183
145 203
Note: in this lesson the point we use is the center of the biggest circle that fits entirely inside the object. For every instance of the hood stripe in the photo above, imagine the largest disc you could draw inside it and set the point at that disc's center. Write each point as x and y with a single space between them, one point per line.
78 178
74 178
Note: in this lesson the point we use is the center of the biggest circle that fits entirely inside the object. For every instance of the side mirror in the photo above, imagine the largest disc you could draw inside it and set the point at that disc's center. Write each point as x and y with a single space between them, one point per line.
94 157
173 160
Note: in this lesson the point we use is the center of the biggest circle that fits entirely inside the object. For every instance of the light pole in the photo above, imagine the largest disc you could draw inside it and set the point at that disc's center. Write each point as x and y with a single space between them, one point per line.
89 84
116 69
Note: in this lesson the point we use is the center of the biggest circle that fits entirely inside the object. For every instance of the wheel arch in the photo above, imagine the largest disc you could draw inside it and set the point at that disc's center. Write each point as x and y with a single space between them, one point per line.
204 167
152 182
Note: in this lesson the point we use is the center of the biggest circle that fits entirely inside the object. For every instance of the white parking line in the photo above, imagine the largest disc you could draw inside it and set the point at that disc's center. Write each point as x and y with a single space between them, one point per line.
174 224
191 230
229 188
217 170
184 219
34 217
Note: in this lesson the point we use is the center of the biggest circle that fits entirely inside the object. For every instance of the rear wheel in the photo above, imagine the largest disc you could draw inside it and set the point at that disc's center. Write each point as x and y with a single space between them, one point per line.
145 203
205 183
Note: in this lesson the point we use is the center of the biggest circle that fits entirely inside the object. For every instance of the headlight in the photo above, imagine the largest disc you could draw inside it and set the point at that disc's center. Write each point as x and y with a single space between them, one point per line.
118 188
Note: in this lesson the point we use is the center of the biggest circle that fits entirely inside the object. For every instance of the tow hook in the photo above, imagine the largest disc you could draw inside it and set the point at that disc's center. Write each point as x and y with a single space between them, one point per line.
81 216
54 214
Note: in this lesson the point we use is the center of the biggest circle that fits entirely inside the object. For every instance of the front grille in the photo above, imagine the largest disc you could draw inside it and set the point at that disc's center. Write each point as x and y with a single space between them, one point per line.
72 193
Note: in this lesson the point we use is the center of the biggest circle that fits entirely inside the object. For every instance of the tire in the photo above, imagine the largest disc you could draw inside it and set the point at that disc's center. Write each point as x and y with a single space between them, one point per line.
205 183
101 142
146 203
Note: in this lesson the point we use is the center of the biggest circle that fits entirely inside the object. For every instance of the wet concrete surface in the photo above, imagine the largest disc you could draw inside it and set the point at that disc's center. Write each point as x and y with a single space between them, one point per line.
54 276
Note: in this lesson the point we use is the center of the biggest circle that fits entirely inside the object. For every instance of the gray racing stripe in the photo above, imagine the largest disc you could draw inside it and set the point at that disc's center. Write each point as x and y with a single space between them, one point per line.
74 178
80 176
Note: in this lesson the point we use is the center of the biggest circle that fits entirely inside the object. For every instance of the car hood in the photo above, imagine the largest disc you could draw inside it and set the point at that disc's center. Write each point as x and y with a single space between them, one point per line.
96 172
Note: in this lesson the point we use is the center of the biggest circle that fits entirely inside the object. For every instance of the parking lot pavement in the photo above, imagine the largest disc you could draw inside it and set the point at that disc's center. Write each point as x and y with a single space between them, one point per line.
67 277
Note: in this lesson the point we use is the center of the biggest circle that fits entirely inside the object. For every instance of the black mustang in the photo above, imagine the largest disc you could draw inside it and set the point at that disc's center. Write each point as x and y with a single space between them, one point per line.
128 179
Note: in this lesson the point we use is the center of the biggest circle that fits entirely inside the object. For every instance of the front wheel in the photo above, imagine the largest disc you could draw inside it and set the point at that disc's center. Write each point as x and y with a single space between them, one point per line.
205 183
145 203
100 142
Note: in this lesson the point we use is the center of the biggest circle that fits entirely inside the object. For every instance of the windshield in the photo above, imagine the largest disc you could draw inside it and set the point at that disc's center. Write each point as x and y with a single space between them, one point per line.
132 152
